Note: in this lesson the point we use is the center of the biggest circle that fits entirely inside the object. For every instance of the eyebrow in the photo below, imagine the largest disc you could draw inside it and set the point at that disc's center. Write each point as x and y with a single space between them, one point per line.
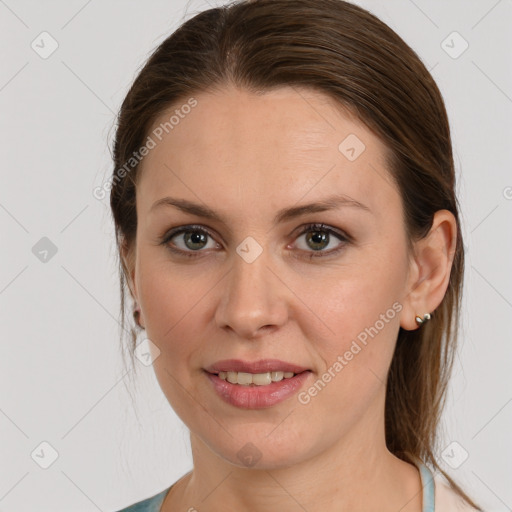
328 203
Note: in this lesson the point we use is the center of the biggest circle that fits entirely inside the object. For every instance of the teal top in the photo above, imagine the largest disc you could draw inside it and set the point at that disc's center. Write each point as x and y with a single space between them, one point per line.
154 503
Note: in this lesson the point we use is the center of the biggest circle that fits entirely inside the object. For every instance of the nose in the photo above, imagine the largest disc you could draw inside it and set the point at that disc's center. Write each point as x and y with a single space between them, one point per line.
253 301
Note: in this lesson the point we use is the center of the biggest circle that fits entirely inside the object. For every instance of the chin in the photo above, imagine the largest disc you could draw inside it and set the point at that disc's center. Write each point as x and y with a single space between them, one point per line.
261 451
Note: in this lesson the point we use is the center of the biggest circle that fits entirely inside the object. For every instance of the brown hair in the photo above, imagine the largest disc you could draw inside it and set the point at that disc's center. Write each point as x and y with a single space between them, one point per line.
344 51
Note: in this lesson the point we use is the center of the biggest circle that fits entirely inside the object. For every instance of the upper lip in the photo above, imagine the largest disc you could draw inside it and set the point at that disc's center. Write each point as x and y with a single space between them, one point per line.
260 366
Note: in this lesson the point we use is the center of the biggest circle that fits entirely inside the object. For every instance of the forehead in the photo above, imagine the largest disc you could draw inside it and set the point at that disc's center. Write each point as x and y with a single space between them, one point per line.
237 147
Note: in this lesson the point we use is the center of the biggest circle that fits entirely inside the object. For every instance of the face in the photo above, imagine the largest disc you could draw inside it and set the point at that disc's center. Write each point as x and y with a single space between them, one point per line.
261 280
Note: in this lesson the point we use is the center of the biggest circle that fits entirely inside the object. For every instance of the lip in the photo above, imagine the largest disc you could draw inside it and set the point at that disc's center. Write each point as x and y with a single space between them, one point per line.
260 366
257 397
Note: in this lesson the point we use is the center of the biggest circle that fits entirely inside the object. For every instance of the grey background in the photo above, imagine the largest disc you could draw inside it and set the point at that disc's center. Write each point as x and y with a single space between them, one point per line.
62 378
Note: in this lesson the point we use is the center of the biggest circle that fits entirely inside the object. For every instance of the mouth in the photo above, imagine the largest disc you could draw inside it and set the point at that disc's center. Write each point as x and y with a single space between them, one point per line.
256 385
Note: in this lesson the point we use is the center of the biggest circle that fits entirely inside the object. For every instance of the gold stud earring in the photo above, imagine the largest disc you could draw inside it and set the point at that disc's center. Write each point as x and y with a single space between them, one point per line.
425 318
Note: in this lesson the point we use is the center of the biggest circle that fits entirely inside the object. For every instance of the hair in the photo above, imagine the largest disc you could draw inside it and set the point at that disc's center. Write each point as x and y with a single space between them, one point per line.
347 53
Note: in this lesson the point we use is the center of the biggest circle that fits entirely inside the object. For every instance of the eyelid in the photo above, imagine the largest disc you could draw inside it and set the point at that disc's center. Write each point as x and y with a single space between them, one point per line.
320 226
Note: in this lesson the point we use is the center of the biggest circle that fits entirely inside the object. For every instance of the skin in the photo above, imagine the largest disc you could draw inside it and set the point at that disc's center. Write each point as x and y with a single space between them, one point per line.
246 156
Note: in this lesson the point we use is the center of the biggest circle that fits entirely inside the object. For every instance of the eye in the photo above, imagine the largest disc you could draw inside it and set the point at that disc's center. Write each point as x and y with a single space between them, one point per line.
189 239
319 237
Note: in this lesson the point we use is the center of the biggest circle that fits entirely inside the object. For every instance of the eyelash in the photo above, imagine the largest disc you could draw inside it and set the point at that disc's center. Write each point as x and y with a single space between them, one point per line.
343 237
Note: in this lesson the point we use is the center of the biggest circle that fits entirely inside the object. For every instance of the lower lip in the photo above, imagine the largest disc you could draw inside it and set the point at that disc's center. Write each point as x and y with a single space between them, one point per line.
257 397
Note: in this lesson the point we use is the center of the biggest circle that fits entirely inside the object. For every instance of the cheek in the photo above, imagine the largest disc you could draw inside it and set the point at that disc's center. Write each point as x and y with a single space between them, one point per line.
356 357
174 303
362 308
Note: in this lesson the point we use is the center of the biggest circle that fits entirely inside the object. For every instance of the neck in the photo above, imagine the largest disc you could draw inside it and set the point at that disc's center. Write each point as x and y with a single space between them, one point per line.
347 477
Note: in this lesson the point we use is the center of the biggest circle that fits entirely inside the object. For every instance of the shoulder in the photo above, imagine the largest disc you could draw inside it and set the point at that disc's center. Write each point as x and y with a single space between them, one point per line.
447 500
151 504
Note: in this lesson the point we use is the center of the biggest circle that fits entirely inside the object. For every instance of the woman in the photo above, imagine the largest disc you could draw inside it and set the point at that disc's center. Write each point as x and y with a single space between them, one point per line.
284 204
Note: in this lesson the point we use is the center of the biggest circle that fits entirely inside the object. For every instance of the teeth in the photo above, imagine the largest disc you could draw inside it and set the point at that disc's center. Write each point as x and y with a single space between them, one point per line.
258 379
277 376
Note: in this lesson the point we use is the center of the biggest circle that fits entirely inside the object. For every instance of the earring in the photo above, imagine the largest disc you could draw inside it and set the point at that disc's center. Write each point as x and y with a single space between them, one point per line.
425 318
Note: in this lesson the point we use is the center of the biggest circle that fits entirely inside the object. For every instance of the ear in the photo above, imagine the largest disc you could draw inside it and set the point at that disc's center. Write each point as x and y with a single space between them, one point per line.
128 264
430 268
